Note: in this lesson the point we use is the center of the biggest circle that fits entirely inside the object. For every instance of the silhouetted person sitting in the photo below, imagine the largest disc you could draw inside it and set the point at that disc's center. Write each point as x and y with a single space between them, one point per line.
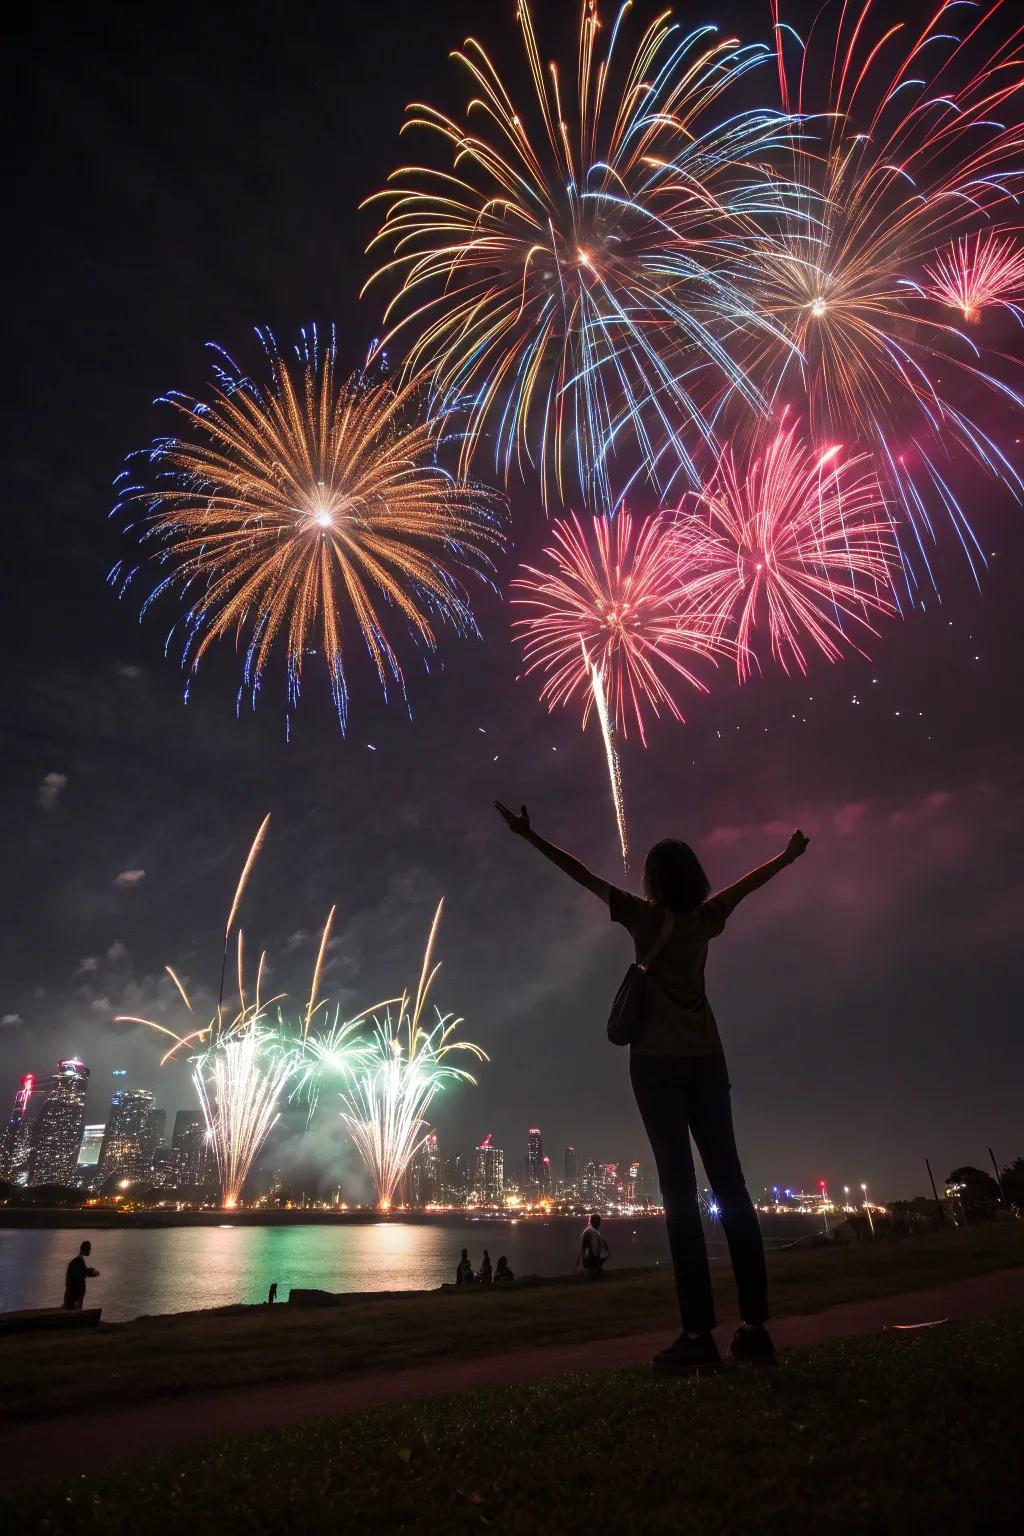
594 1249
75 1277
680 1079
503 1275
486 1274
464 1271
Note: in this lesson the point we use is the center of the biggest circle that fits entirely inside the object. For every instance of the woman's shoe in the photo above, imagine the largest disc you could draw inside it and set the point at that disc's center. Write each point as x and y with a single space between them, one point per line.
753 1346
688 1356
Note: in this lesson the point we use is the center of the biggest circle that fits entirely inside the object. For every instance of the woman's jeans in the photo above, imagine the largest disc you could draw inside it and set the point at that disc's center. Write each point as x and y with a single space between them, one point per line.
677 1096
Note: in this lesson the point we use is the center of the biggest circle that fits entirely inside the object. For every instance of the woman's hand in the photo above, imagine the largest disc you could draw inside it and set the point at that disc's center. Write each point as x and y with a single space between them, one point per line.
519 824
796 847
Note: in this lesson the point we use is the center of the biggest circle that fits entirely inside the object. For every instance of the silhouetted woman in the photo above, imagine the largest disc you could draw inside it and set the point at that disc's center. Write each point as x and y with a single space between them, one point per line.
677 1068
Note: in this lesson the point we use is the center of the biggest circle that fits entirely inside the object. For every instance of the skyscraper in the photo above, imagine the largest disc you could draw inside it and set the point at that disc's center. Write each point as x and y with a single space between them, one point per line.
534 1172
425 1173
56 1131
124 1152
156 1129
489 1173
14 1142
570 1171
191 1149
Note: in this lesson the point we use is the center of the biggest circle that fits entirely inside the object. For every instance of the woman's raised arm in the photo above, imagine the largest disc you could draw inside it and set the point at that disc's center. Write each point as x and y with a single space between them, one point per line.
571 866
729 899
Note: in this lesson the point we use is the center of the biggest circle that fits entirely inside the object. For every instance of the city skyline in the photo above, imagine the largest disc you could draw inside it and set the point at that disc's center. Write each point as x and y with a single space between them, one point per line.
133 1147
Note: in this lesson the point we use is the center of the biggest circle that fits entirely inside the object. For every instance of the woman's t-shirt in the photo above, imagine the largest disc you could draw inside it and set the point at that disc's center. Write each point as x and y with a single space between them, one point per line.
678 1020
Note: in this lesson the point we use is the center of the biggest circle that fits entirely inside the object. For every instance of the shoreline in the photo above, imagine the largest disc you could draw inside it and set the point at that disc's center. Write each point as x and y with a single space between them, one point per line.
43 1219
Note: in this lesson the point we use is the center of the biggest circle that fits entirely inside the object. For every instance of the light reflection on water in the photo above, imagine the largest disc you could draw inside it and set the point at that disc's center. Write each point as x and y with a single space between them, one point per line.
176 1269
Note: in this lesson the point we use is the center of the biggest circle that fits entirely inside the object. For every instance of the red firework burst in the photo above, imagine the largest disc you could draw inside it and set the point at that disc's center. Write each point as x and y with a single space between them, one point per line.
613 598
797 543
978 272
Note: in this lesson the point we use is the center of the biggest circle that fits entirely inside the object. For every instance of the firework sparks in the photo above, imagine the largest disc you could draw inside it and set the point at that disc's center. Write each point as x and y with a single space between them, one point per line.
283 513
978 273
902 147
795 544
385 1108
570 290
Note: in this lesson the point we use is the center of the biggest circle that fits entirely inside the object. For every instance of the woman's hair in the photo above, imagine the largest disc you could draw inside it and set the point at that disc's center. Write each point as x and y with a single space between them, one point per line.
674 876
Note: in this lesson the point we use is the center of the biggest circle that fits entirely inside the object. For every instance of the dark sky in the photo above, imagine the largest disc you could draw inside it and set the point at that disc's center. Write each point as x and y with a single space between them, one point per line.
187 173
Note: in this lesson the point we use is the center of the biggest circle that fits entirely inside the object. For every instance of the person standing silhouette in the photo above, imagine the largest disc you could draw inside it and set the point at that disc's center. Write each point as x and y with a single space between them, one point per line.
681 1083
75 1278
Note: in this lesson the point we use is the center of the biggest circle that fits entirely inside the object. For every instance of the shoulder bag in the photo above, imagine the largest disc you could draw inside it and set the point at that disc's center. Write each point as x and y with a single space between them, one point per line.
627 1016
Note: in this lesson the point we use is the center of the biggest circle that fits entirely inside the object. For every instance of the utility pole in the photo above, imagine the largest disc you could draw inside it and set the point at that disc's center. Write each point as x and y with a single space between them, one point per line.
938 1203
999 1180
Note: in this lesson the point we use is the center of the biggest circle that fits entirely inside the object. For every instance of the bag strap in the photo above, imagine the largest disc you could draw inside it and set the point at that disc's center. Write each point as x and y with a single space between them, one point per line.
660 942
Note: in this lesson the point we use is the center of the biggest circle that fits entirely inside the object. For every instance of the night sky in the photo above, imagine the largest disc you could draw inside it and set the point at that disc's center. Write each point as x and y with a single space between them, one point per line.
188 173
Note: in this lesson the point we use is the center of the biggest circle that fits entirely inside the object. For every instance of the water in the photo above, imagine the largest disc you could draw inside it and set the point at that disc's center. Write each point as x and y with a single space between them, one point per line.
177 1269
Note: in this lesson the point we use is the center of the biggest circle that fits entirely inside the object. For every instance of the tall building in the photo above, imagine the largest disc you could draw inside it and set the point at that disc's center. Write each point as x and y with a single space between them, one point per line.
191 1149
156 1130
56 1132
570 1171
125 1145
533 1183
16 1136
425 1173
489 1173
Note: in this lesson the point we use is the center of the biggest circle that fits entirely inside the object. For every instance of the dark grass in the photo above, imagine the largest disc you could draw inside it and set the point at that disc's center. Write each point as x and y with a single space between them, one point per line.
899 1432
198 1353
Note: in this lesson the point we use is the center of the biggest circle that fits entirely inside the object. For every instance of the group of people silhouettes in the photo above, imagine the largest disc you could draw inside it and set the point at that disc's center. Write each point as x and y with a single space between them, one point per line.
487 1274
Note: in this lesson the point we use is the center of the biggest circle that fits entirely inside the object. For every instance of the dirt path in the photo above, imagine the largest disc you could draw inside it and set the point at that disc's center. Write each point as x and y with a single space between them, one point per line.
48 1447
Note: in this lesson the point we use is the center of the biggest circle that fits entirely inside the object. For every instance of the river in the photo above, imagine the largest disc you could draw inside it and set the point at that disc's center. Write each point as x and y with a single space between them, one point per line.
178 1269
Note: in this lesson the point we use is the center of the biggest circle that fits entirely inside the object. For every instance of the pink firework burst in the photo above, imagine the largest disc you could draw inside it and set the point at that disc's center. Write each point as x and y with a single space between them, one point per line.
977 272
796 543
610 603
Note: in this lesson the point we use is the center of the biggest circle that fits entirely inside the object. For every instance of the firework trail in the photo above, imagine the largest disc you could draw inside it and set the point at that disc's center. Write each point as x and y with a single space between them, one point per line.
385 1107
979 273
796 543
902 145
285 512
611 755
569 288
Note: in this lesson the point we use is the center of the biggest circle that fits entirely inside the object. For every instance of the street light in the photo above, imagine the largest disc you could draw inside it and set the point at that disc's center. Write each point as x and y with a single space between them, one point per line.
867 1207
846 1193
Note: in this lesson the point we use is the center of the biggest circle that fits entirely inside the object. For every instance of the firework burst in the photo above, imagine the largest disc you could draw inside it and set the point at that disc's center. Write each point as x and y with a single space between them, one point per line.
795 544
386 1105
979 272
243 1067
902 145
286 513
611 599
567 281
609 625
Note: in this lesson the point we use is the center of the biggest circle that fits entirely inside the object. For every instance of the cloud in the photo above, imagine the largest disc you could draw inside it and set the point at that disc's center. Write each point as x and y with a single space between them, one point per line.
296 940
130 877
921 810
87 963
51 789
9 1020
101 1005
125 670
117 951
